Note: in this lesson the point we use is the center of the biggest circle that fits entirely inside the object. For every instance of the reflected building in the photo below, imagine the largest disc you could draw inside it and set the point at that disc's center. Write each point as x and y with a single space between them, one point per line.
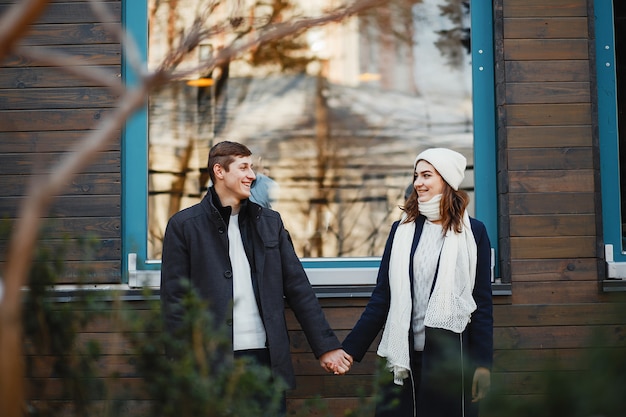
339 138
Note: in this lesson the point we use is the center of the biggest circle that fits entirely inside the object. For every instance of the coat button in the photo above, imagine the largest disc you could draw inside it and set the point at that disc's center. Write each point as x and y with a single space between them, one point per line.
220 230
228 274
229 322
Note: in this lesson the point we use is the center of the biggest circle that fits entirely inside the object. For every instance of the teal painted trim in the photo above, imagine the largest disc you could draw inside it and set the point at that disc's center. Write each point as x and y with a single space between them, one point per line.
484 107
135 148
607 127
313 263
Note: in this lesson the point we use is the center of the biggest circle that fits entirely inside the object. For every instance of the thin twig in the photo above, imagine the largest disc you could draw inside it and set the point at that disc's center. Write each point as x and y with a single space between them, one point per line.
272 33
73 66
131 51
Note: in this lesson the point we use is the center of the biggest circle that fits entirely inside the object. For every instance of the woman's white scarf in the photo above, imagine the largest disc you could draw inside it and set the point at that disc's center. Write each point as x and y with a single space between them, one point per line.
451 303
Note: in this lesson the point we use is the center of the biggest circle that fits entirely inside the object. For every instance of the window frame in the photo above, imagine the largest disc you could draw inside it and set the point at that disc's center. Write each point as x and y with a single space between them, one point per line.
138 271
608 139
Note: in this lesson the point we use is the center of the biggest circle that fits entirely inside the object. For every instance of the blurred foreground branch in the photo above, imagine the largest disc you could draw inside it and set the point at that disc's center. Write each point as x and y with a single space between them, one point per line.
13 25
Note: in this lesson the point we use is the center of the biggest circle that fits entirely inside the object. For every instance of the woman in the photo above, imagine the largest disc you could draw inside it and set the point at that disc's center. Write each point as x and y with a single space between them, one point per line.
433 297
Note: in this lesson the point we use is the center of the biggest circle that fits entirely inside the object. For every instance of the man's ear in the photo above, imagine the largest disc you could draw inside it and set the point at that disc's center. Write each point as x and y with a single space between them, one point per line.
218 171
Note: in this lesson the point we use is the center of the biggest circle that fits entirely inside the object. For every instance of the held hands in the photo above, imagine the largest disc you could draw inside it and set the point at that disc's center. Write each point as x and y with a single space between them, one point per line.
336 361
481 384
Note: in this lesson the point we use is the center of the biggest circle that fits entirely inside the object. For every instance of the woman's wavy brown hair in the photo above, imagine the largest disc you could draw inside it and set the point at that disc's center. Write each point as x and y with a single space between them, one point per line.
452 207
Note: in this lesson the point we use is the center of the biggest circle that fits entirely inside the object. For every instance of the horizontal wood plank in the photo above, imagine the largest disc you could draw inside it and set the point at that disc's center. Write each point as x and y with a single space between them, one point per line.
553 247
567 314
20 164
548 114
103 227
339 318
57 98
128 407
53 389
538 181
537 360
530 8
549 136
547 71
555 269
331 386
91 272
311 407
542 92
551 203
85 272
520 383
559 337
329 406
76 12
545 49
50 120
50 141
82 184
307 364
69 34
88 55
545 28
68 206
563 158
80 249
555 293
133 388
48 77
553 225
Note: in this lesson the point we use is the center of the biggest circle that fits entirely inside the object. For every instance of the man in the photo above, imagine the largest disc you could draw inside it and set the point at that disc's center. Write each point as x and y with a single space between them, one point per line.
239 258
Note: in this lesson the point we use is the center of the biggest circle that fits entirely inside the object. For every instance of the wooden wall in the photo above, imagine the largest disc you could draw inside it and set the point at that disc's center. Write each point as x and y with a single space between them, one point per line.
550 235
340 393
45 112
116 364
549 195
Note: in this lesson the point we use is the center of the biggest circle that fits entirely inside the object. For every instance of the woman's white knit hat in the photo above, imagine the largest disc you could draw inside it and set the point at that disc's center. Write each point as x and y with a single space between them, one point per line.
450 164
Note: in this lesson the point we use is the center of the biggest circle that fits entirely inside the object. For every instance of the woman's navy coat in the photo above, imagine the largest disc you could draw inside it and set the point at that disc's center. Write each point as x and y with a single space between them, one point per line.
478 335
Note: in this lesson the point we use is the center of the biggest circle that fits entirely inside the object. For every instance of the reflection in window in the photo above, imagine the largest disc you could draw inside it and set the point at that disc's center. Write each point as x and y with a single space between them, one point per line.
334 117
620 69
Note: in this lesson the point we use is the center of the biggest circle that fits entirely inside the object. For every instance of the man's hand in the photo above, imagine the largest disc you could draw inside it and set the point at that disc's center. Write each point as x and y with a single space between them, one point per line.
336 361
481 384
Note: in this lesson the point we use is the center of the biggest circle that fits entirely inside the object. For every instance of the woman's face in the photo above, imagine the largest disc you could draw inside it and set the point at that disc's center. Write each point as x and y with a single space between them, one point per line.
428 183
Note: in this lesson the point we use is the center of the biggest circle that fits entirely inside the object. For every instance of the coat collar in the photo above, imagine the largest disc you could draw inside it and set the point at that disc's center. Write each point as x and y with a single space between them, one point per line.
246 211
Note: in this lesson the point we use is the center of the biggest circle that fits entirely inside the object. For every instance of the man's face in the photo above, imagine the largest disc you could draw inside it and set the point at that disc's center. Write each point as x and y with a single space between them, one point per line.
238 178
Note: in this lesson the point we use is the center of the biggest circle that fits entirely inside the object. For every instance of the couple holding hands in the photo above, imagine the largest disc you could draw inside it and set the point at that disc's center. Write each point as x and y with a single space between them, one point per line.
432 298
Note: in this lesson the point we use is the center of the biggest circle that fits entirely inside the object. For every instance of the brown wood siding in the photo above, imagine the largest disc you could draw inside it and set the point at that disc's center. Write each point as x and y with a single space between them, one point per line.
339 393
544 99
44 112
117 371
550 238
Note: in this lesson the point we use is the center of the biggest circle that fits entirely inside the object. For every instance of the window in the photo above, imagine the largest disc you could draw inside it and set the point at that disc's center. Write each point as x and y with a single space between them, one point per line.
336 264
610 28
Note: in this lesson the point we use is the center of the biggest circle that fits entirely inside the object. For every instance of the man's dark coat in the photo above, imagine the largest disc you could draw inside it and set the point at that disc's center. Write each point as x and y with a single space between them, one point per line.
195 247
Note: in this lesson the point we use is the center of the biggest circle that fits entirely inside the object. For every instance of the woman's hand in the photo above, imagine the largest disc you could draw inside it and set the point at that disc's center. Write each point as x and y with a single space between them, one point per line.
481 384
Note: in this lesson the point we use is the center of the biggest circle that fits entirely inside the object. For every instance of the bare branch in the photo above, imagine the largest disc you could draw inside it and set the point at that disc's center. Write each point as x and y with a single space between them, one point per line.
272 33
73 66
24 237
14 22
131 51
